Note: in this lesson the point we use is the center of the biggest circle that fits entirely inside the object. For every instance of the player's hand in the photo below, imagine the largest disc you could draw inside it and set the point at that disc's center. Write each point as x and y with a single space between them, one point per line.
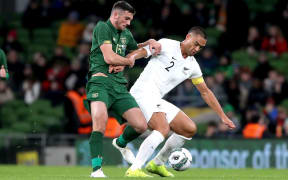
154 47
2 72
131 60
115 69
228 122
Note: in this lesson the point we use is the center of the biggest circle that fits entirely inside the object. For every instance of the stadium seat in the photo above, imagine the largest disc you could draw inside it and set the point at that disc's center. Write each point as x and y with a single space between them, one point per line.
39 117
176 37
23 37
16 24
43 32
213 36
280 64
261 5
45 41
242 58
22 32
14 20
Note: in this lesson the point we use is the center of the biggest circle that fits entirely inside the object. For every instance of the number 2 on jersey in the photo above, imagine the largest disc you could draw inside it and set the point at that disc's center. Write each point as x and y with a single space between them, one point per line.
172 64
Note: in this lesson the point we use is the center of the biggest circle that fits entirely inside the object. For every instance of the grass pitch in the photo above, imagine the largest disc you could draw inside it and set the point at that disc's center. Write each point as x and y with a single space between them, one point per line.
12 172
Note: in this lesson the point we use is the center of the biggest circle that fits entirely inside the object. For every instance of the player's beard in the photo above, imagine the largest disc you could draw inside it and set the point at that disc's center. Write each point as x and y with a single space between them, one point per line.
118 24
192 52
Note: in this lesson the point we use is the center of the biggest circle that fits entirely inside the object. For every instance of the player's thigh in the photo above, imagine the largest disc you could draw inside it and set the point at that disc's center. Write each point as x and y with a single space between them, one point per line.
127 107
163 113
135 118
97 103
169 109
159 122
97 91
150 105
183 125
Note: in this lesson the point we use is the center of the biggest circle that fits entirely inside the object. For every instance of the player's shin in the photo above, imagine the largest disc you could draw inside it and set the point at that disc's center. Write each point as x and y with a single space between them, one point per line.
174 141
96 142
147 148
128 135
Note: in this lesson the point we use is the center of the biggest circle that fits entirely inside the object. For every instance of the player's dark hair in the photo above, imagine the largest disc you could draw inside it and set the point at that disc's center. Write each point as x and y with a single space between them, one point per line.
198 30
124 6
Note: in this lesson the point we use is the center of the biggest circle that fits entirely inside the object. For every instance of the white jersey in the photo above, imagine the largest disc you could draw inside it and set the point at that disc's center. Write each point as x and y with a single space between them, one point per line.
165 71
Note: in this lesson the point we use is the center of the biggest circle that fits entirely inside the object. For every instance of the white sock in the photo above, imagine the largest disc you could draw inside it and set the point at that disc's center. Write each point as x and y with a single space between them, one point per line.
146 149
174 141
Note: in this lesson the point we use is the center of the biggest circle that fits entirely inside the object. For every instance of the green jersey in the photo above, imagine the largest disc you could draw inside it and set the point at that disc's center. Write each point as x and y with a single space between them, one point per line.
3 61
122 42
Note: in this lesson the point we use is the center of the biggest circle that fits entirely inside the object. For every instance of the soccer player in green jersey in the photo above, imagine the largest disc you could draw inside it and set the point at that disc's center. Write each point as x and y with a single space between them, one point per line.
107 91
3 66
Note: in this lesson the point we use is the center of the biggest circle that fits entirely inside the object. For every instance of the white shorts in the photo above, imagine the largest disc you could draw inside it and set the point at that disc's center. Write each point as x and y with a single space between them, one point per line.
149 105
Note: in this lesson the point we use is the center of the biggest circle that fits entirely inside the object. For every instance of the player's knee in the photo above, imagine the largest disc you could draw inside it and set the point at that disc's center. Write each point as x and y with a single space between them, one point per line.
99 122
189 131
99 126
192 131
142 127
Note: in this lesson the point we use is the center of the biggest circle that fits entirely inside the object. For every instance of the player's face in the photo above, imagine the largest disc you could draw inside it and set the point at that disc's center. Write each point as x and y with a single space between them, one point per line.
123 19
195 43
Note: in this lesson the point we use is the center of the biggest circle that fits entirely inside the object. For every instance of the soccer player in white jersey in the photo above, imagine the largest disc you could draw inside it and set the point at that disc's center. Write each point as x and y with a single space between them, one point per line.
173 65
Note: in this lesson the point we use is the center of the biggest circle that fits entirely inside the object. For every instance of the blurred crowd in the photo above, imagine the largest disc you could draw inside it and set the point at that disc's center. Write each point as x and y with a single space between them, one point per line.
252 98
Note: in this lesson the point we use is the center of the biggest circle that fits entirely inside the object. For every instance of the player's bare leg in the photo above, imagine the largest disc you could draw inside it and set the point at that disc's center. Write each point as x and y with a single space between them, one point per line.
136 119
137 125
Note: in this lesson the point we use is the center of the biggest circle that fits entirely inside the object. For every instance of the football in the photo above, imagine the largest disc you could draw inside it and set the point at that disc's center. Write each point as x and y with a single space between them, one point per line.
180 159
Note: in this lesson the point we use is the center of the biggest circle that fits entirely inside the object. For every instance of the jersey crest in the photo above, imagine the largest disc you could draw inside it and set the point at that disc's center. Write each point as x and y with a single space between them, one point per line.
185 70
123 40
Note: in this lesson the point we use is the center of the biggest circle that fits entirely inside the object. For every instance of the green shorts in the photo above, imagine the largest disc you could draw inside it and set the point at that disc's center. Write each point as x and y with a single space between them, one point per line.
115 95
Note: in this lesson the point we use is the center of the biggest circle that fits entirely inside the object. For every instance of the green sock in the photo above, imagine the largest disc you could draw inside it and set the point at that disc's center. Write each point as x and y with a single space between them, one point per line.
128 135
96 143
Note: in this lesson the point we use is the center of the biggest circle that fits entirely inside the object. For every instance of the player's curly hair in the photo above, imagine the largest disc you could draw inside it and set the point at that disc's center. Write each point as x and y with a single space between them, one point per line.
124 6
198 30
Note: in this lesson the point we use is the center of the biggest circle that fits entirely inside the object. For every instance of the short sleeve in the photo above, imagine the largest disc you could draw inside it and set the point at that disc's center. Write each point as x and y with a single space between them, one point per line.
165 45
102 34
196 73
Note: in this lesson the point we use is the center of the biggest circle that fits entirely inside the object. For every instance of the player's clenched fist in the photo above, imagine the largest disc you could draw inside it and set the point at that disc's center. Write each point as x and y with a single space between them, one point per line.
115 69
155 47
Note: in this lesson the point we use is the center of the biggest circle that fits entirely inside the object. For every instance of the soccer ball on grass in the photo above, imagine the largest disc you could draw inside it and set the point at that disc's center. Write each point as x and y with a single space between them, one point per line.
180 159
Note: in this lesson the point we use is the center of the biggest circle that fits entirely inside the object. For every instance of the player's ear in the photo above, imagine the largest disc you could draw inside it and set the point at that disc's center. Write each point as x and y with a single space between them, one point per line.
189 35
115 13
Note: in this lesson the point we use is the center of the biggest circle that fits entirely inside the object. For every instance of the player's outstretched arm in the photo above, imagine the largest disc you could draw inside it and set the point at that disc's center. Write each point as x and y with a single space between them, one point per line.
154 46
211 100
111 57
137 54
